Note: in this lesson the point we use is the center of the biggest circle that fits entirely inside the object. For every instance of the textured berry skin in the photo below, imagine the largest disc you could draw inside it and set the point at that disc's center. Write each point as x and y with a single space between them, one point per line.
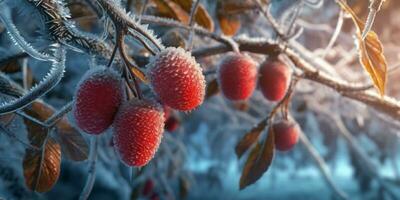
274 79
97 99
286 134
172 124
237 76
138 128
177 79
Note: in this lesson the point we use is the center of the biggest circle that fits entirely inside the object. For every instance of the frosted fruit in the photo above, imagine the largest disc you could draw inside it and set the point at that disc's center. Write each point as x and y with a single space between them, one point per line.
286 134
97 99
237 76
138 129
274 79
177 79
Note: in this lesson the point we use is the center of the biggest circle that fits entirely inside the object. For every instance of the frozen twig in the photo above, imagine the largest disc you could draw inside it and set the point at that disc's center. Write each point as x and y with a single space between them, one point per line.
92 169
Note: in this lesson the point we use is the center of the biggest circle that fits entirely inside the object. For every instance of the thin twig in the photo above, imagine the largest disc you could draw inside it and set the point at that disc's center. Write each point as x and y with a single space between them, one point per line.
92 169
193 11
323 167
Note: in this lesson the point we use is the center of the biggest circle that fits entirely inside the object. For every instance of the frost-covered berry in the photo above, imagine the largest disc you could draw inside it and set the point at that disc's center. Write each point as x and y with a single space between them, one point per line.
138 128
99 94
237 76
177 79
274 79
286 134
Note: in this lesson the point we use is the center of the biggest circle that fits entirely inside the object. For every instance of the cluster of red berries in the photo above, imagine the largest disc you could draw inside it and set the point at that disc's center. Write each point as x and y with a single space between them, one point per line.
237 77
176 79
238 74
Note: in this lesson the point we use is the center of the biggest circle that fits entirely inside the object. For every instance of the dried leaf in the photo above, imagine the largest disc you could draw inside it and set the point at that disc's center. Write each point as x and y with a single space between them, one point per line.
229 24
212 89
73 144
41 173
201 16
10 66
169 8
138 73
371 52
249 138
180 10
258 162
234 7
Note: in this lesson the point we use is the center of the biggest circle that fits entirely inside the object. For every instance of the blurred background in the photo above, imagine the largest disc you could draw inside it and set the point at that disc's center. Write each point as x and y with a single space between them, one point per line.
196 159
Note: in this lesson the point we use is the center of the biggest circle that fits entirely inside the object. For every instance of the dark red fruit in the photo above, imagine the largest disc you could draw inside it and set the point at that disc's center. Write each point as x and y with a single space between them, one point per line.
97 100
286 134
148 187
172 124
237 76
138 128
274 79
177 79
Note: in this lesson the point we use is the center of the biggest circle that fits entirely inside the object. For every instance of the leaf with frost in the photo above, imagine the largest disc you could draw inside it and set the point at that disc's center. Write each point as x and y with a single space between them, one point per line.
371 52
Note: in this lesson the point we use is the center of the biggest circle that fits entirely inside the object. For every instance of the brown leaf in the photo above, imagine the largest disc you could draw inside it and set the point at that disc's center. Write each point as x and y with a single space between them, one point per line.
371 52
138 73
169 8
201 16
180 10
258 162
212 89
230 25
41 173
10 66
234 7
73 144
249 138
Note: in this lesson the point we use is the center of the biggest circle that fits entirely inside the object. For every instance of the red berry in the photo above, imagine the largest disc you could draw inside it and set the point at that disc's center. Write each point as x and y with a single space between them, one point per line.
138 128
177 79
148 187
172 124
286 134
274 79
237 76
99 94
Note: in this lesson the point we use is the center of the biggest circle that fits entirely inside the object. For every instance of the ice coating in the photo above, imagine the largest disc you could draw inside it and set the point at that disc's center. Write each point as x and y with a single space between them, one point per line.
138 129
177 79
97 99
286 134
274 79
237 76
